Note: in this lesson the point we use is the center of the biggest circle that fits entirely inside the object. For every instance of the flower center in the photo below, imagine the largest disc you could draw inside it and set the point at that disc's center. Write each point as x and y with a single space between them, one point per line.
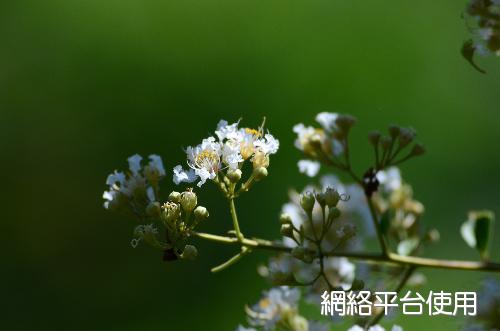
207 159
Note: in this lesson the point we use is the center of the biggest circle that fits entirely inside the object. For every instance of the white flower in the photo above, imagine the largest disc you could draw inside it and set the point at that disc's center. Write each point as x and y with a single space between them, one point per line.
231 155
327 120
340 271
304 134
390 179
277 303
268 144
205 159
134 163
226 131
308 167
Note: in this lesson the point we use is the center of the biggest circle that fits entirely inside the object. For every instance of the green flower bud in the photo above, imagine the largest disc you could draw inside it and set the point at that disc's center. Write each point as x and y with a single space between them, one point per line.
259 173
287 230
174 197
394 131
417 150
190 252
153 209
234 175
332 197
307 201
406 136
321 198
333 214
188 200
301 253
171 211
374 137
201 213
432 236
285 218
385 142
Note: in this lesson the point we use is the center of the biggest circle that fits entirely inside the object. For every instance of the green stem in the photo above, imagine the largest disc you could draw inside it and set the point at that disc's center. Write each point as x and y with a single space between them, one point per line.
390 258
236 225
231 261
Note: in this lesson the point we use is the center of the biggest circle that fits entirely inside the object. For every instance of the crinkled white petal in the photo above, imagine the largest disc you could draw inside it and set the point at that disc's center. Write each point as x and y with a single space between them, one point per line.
134 163
327 120
308 167
180 175
116 177
151 194
231 155
269 145
204 174
226 131
356 328
157 163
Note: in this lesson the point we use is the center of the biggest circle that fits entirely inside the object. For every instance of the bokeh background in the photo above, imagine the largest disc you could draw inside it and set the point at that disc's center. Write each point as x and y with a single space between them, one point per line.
85 84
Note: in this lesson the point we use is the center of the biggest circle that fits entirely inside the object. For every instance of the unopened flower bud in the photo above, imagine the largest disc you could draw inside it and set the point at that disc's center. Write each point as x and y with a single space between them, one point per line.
332 197
188 200
417 150
190 252
234 175
406 136
432 235
333 213
321 198
201 213
174 197
374 137
260 160
287 230
307 201
259 173
153 209
345 122
301 253
285 218
385 142
171 211
394 131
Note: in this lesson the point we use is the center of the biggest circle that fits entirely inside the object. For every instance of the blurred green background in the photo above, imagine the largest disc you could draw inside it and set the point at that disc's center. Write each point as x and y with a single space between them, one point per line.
85 84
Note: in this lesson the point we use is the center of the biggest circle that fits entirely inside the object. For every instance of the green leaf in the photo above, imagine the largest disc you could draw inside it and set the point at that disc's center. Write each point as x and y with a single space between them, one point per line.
477 231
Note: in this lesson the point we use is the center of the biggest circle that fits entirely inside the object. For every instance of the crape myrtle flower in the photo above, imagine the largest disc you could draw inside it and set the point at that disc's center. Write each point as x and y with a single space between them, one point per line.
226 153
488 309
322 144
394 201
132 191
278 308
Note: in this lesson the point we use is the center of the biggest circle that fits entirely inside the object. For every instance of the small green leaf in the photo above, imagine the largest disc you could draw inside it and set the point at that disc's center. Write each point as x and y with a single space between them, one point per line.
477 231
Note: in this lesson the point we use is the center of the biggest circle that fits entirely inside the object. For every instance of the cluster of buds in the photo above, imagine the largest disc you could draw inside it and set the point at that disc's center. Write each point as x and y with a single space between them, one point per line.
485 15
400 212
179 216
222 159
132 191
325 144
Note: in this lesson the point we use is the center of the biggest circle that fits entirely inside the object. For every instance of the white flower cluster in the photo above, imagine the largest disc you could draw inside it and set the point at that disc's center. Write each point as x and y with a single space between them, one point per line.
228 151
135 188
278 308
